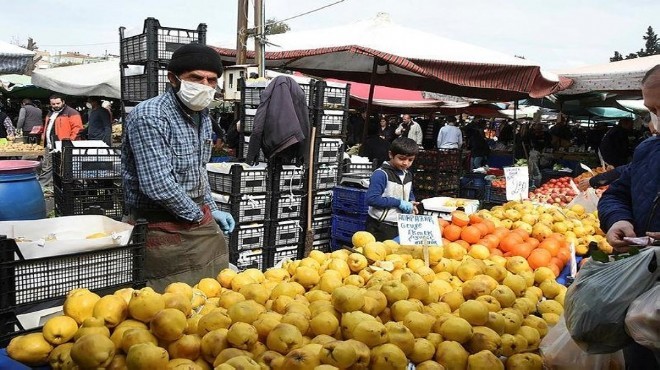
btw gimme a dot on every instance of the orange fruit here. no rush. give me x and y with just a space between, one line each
501 232
475 219
490 224
523 234
557 236
483 229
564 255
459 218
442 222
471 234
491 243
522 250
451 232
463 243
496 252
555 269
539 257
557 262
552 245
533 242
510 241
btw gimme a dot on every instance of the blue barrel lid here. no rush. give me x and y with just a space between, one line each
17 166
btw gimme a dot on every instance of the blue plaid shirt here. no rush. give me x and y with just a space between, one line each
164 156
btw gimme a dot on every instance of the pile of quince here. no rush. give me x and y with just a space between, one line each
539 220
326 311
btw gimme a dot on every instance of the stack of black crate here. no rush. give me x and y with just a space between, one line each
243 192
437 173
144 59
330 117
87 181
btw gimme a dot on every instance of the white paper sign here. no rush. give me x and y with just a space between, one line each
419 230
517 183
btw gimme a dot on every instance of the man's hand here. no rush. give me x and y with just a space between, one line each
654 234
584 185
225 220
405 206
617 232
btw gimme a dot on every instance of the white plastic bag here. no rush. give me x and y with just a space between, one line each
596 303
560 352
587 199
643 319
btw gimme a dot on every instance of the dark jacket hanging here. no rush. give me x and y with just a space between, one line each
281 123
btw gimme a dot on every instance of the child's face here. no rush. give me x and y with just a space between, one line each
401 162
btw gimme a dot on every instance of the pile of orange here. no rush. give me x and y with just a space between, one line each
552 252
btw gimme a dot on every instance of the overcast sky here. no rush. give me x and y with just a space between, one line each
556 34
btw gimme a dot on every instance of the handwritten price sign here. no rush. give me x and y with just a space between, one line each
517 183
419 230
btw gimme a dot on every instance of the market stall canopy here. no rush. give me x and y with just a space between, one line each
94 79
20 86
14 59
406 58
622 76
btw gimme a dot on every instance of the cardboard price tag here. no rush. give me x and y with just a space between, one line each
517 183
419 230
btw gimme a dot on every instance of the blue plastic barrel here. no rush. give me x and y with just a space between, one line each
21 197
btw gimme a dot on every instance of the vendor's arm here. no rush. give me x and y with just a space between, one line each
21 119
606 178
616 202
154 169
375 197
208 199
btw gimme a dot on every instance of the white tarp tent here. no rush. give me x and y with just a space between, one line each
624 75
94 79
14 59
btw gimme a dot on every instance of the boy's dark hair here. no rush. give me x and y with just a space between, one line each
404 146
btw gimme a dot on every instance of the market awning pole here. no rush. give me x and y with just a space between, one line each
515 125
241 32
372 83
259 37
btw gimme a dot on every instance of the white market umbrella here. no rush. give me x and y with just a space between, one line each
406 58
93 79
14 59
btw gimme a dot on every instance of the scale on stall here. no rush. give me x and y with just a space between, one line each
356 180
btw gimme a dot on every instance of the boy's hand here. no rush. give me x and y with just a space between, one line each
406 207
415 209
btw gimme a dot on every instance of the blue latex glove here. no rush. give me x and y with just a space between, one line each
225 220
405 206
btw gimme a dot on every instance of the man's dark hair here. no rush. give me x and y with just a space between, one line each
27 101
95 99
450 119
651 72
56 96
404 146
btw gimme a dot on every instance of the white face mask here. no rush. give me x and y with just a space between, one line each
195 96
655 123
88 105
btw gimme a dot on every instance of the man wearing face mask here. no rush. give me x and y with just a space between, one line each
165 150
62 123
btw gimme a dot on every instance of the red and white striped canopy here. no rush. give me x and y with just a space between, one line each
409 59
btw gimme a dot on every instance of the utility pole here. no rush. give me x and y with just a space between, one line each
241 32
259 47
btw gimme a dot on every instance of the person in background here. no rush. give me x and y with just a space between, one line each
355 128
385 130
375 147
560 133
29 116
477 144
390 190
62 123
505 135
108 106
166 147
7 130
450 136
615 146
631 205
410 129
99 123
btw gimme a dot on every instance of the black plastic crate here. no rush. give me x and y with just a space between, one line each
243 207
322 203
447 160
287 178
251 92
331 122
247 259
247 120
322 227
285 233
248 237
331 95
327 151
286 206
435 181
239 180
26 283
349 200
244 144
495 195
98 163
322 245
89 197
277 254
152 82
359 168
325 177
157 43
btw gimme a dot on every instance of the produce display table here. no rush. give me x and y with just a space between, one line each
9 364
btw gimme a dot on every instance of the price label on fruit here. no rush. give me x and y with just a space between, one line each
517 183
419 230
